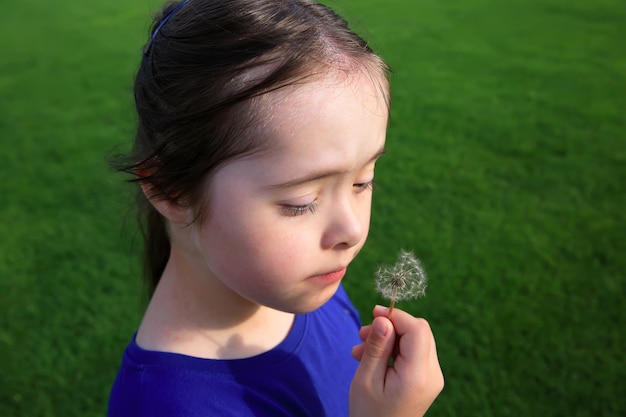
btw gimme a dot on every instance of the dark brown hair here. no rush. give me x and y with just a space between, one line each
198 93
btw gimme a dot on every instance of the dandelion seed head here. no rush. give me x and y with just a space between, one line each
404 280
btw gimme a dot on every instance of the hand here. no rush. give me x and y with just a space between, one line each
411 384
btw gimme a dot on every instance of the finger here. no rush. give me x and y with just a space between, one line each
380 311
364 332
416 343
357 351
417 364
403 322
376 352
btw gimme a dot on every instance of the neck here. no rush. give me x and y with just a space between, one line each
194 313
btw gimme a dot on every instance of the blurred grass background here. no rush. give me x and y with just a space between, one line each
505 173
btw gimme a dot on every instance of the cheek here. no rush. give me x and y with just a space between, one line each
279 247
365 211
368 215
255 243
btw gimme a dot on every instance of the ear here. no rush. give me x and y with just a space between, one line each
174 213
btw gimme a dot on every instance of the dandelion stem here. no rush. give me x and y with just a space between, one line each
393 301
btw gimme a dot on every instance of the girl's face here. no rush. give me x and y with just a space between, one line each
284 224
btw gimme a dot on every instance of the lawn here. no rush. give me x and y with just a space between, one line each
505 173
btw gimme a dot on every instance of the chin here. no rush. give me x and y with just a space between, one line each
309 304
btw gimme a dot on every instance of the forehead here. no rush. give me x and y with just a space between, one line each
320 91
335 122
324 108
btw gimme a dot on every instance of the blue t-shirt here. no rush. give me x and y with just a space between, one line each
308 374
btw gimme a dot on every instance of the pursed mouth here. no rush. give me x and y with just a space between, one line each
335 275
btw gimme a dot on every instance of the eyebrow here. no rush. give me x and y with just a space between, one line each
321 174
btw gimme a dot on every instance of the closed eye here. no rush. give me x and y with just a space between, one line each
362 186
292 211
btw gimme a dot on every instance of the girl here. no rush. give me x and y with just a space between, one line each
259 126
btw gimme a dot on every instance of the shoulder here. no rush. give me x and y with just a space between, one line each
170 389
151 383
276 384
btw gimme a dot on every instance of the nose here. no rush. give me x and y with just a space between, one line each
347 226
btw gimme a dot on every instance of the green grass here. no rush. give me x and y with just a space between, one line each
505 173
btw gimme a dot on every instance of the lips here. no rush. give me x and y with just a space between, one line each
330 277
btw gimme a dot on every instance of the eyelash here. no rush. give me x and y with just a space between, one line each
293 211
370 185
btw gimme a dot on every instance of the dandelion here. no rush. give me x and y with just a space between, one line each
404 280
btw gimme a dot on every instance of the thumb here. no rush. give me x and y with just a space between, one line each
378 348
